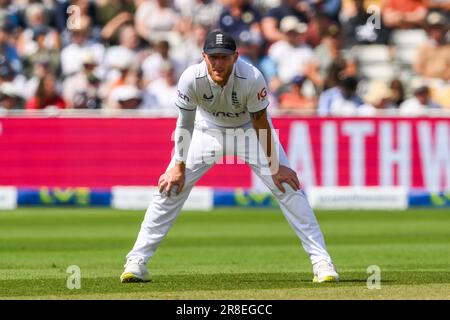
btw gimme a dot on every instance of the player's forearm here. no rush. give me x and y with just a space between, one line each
265 137
183 135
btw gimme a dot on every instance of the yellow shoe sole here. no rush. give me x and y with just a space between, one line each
326 279
129 277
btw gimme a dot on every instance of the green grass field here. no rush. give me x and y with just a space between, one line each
223 254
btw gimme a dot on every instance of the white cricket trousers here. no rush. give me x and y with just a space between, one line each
208 147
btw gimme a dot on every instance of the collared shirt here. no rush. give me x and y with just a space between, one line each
332 102
228 106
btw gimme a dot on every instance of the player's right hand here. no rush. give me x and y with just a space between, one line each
288 176
173 177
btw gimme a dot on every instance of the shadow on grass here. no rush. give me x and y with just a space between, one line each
204 282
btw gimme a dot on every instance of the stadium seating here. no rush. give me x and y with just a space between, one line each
405 43
374 62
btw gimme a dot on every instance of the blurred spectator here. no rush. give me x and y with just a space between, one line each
80 42
156 20
340 68
118 73
7 50
36 18
294 98
189 52
318 26
9 99
151 65
42 52
239 18
443 6
251 49
404 14
330 8
292 56
40 68
398 92
9 14
111 32
8 75
162 92
328 51
130 76
107 10
341 100
127 97
378 98
81 91
135 77
272 20
203 12
128 48
6 72
420 103
360 29
46 95
433 57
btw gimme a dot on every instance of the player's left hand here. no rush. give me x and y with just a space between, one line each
287 175
174 177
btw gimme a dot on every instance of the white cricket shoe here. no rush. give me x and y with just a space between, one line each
325 271
135 271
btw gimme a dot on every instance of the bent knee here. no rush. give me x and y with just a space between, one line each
289 192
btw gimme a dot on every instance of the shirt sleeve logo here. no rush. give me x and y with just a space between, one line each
262 94
183 96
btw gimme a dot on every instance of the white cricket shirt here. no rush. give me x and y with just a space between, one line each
228 106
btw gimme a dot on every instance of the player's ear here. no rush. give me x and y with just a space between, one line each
236 56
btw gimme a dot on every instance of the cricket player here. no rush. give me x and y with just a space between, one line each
222 104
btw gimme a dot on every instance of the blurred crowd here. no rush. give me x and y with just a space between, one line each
330 57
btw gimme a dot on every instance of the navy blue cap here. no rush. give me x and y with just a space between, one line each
40 31
218 41
298 79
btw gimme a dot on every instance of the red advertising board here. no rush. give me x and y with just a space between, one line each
103 152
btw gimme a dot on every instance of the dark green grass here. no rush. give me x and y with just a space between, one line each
223 254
